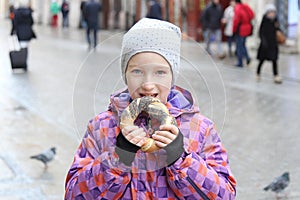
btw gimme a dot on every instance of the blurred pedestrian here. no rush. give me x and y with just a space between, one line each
154 9
117 10
82 22
11 16
190 161
242 28
91 15
211 19
65 8
228 21
268 48
54 9
22 24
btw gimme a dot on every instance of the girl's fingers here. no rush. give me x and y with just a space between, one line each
133 134
160 144
140 142
164 137
171 128
137 141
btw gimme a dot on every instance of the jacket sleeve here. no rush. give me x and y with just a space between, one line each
204 175
96 171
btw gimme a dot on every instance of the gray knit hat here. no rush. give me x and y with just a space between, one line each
270 7
152 35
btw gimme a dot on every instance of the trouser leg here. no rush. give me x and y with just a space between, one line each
88 36
229 42
275 69
95 37
218 36
239 50
259 67
207 40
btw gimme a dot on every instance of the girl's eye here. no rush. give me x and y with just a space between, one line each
161 72
136 71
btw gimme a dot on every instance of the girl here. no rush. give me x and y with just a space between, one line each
191 164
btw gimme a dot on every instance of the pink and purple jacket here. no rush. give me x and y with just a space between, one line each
202 172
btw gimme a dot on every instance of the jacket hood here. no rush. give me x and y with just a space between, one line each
179 101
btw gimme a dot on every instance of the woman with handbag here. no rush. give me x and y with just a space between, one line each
268 48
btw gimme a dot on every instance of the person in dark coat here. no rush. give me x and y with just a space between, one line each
22 25
154 9
117 10
65 8
91 15
268 48
11 17
211 22
82 22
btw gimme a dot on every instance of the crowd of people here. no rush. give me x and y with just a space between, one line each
237 19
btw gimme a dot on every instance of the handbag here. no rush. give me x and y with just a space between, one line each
280 37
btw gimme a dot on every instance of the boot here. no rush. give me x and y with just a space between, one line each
258 77
277 79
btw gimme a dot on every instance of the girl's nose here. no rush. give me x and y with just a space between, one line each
147 85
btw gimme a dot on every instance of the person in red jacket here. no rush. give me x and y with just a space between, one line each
242 28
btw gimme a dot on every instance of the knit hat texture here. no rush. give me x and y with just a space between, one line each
152 35
270 7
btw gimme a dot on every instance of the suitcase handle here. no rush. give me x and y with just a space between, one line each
15 43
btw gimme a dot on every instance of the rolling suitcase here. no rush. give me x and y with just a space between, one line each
18 56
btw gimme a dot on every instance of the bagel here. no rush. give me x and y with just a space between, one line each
149 113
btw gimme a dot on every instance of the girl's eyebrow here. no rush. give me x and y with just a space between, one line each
150 65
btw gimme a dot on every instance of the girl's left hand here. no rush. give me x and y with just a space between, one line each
165 135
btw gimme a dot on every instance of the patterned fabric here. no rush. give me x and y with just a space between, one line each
97 173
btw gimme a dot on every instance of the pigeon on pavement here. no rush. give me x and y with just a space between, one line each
279 183
45 156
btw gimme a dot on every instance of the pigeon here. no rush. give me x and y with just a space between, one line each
45 156
279 183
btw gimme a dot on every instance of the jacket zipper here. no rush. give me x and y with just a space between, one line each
202 194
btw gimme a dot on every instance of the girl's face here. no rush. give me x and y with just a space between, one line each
149 74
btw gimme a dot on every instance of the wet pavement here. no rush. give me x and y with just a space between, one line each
66 85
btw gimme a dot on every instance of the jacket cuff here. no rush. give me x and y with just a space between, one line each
174 149
125 149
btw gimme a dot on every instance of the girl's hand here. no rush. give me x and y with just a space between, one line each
165 135
134 134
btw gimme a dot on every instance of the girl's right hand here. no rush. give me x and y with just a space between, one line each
134 134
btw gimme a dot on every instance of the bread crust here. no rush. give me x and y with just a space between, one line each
155 109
